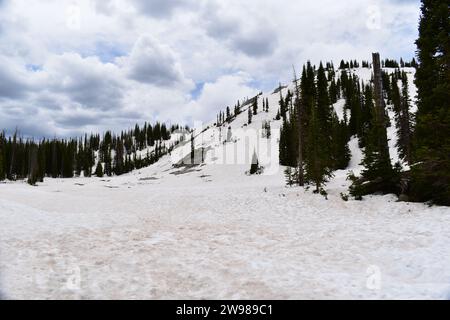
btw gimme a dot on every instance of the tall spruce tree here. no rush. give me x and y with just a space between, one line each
324 112
108 164
403 122
366 114
254 167
317 164
118 158
2 152
99 170
255 106
340 152
282 103
378 174
33 169
192 149
299 108
431 172
315 109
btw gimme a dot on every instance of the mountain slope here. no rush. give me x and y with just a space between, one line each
211 231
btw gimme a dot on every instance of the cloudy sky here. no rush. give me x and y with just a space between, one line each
74 66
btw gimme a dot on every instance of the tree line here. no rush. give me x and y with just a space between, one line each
109 154
386 63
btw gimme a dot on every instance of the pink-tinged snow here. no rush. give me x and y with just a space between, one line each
216 234
212 232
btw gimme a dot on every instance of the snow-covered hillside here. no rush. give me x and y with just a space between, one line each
212 231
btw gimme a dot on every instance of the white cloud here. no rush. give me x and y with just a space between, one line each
136 61
154 63
85 81
161 8
13 81
216 96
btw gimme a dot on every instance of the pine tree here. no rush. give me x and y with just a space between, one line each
157 131
317 159
254 168
192 149
403 122
255 106
366 115
150 138
340 151
118 158
324 111
99 170
228 114
54 159
395 94
41 162
378 174
284 149
293 129
13 167
33 170
290 179
333 91
88 158
250 115
67 161
353 101
301 123
2 152
108 165
282 104
79 158
431 173
278 116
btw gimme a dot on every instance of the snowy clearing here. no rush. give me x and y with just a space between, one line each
212 232
216 234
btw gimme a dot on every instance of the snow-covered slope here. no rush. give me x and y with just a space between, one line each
211 231
217 149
